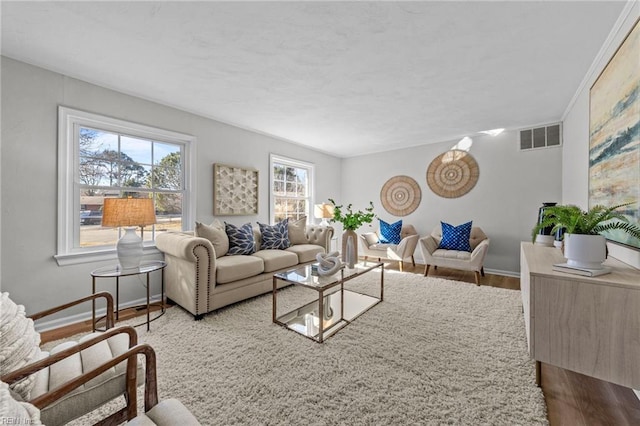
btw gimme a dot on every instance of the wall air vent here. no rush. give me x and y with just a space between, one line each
541 137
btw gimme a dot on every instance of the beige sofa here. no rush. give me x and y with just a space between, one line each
201 282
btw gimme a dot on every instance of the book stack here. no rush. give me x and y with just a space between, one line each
586 272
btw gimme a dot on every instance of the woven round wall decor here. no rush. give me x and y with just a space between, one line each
453 174
400 195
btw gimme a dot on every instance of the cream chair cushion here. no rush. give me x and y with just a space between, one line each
168 412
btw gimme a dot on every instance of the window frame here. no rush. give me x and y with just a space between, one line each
287 161
69 121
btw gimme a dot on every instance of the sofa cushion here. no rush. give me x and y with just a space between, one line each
216 234
297 231
240 239
274 236
306 252
233 268
390 232
276 259
455 237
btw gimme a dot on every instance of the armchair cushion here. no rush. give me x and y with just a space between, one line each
19 343
371 238
241 239
216 234
390 232
455 237
275 237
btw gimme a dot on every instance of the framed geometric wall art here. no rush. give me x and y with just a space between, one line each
614 135
235 191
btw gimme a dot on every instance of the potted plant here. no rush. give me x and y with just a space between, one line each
584 246
351 221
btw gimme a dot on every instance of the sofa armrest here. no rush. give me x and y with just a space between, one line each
182 245
191 270
319 235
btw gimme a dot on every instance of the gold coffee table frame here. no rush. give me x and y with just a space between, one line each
318 319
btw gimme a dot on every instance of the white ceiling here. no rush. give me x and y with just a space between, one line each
347 78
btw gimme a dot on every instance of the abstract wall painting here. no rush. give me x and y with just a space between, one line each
614 134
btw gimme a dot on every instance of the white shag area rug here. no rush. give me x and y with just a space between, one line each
434 352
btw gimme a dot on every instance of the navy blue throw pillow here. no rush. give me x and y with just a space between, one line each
390 232
240 238
275 237
456 237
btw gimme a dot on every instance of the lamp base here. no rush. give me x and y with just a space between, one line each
324 222
129 249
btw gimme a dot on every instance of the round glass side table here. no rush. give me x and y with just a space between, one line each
115 271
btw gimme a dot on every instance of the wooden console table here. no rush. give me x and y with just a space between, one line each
590 325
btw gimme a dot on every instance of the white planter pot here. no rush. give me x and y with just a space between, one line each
585 251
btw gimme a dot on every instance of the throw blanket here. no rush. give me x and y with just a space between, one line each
19 343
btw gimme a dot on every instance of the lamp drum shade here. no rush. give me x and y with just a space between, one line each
323 211
129 213
118 212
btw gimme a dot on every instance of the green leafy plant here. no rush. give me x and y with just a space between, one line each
351 220
596 220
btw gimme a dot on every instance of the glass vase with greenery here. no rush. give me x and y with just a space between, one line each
349 219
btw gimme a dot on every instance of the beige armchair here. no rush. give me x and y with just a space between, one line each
47 372
167 412
371 246
455 259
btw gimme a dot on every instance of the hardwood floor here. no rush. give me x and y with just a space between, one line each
572 399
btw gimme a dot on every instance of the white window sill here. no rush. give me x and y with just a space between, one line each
97 256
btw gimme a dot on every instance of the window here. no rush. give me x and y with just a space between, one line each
291 188
101 157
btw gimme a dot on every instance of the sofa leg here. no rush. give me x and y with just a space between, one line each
477 277
435 267
426 270
482 271
400 263
413 261
198 317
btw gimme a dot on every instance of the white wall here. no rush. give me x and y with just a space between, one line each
30 97
504 203
575 154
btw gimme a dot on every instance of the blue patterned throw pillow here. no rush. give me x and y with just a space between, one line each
275 237
240 238
456 237
390 232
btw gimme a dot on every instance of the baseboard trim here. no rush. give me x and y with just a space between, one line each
42 326
503 273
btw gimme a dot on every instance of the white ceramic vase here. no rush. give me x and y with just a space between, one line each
585 251
129 249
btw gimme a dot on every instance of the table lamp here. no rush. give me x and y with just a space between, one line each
324 211
129 213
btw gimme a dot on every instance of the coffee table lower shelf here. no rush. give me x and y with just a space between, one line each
340 308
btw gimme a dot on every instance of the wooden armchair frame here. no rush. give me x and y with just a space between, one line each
109 317
126 413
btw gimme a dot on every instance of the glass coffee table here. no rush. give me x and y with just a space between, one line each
335 306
